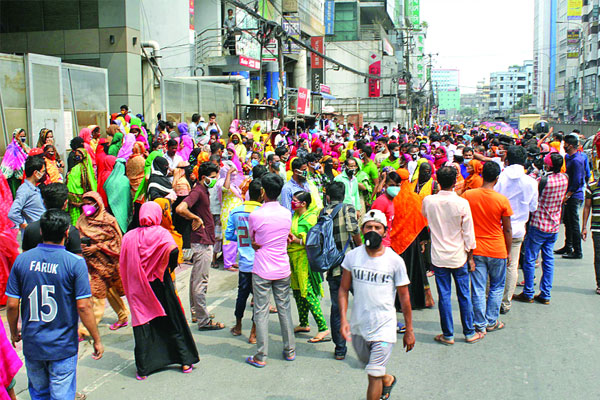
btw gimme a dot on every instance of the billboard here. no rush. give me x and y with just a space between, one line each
291 25
303 101
246 45
329 16
573 36
413 11
316 63
574 10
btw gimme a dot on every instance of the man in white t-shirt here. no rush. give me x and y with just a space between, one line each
376 273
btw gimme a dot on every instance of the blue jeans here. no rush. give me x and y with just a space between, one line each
244 290
50 380
443 281
535 241
485 315
335 318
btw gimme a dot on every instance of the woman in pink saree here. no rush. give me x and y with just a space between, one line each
161 333
9 247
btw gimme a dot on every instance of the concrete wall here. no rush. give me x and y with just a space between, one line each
587 129
168 22
346 84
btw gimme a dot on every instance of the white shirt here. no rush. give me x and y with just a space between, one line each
173 163
451 226
374 281
522 193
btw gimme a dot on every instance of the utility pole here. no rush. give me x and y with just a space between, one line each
408 81
280 86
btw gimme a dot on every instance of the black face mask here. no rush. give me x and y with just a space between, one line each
373 240
328 166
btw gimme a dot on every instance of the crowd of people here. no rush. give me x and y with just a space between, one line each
402 206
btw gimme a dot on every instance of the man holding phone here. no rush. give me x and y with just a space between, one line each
49 286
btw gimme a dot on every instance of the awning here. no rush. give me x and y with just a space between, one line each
326 96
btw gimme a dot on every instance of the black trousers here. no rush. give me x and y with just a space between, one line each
572 225
596 239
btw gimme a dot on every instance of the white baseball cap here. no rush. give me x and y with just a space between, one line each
374 215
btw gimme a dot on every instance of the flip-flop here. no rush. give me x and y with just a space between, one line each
441 339
475 338
118 325
140 378
496 327
302 329
234 333
387 390
291 357
188 370
212 326
258 364
324 339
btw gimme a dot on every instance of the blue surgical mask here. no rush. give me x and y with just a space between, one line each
396 154
393 191
466 161
254 163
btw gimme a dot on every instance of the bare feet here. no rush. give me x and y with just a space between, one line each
321 337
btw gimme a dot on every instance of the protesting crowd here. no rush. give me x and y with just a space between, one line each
375 212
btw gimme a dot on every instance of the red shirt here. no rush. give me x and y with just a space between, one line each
386 205
199 204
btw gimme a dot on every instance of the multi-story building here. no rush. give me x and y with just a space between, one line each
508 88
483 98
368 36
586 79
446 89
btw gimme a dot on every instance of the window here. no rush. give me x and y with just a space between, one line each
345 22
521 86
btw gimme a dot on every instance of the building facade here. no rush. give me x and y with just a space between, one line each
446 89
510 89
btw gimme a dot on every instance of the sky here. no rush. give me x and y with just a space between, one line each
478 36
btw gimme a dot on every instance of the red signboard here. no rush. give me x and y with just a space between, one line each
316 42
249 62
303 101
374 84
325 89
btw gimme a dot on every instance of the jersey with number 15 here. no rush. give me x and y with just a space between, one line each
49 280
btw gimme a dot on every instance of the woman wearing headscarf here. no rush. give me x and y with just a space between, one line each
101 246
95 130
86 135
46 137
127 149
80 180
441 158
9 247
238 146
105 168
306 284
159 184
474 180
230 196
161 333
53 163
117 140
134 169
425 184
408 237
233 157
13 162
186 144
118 194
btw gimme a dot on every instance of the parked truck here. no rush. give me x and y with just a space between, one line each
527 120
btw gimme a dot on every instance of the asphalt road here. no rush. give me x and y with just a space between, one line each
545 352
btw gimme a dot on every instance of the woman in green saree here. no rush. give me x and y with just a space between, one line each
306 284
80 179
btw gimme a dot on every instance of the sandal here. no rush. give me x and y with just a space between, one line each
255 363
598 291
441 339
252 340
319 340
232 269
289 357
118 325
187 370
235 332
475 338
302 329
496 327
387 390
210 316
212 326
140 378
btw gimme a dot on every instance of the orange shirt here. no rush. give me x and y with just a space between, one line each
488 207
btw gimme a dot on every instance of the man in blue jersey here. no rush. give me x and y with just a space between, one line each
237 229
52 288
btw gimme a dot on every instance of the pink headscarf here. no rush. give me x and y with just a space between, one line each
86 135
127 148
235 159
188 146
10 363
144 257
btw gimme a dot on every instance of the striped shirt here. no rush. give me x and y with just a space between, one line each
592 192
